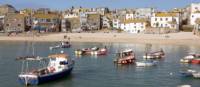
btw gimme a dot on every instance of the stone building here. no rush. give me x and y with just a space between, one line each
5 9
94 21
14 23
46 22
70 22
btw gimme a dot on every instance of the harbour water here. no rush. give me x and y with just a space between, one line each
100 71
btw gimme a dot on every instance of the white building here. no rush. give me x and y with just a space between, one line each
165 20
194 7
193 18
194 12
133 25
116 23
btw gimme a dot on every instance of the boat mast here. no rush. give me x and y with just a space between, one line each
33 50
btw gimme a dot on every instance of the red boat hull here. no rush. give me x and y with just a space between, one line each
195 61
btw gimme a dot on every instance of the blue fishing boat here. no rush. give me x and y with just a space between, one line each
187 73
59 66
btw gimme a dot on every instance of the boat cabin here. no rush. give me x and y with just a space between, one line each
125 53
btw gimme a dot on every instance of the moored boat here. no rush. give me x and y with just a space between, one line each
195 61
187 73
154 55
146 63
125 57
60 65
91 51
63 44
188 58
196 74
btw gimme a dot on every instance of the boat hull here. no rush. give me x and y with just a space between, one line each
195 61
144 64
45 78
186 74
65 46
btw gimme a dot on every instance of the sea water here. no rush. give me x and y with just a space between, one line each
100 71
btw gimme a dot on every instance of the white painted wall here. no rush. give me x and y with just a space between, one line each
133 27
163 21
193 18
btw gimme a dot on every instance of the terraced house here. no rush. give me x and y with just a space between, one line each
46 22
70 22
166 21
14 23
4 10
133 25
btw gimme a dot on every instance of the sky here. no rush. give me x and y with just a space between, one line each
63 4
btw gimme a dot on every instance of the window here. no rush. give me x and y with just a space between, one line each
19 25
48 20
166 19
161 25
155 19
165 25
7 24
142 27
173 26
160 19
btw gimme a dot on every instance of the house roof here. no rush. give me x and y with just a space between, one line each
134 21
18 16
46 16
93 16
165 14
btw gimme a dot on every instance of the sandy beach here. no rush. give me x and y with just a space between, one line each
185 38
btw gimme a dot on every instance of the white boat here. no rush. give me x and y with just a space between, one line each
187 59
146 63
91 51
196 74
154 55
62 44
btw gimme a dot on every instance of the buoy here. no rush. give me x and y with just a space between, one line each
171 73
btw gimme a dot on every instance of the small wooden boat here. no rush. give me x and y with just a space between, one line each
59 66
154 55
62 44
125 57
146 63
91 51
